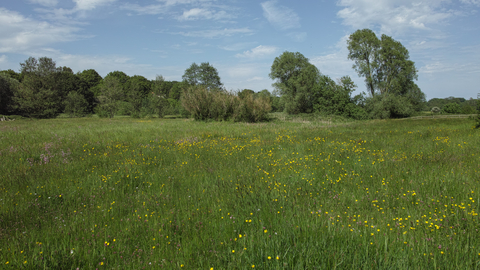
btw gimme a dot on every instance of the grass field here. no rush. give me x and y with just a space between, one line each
129 193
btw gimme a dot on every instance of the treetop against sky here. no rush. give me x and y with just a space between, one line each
242 38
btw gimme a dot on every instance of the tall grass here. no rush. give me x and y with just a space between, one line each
125 193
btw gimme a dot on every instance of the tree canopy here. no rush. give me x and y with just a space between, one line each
204 75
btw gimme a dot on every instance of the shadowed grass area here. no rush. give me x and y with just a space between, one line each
127 193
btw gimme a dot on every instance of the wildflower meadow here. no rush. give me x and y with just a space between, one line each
128 193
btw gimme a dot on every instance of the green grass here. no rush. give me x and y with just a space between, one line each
129 193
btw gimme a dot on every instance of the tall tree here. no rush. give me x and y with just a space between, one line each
383 62
363 46
111 93
296 80
204 75
8 85
395 72
42 89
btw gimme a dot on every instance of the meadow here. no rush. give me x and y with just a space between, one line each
128 193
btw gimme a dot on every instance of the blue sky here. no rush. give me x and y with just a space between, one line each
241 38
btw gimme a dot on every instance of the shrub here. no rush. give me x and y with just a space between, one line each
451 108
388 106
204 104
435 110
75 105
478 116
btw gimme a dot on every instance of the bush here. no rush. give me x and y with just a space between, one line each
388 106
75 105
204 104
451 108
478 116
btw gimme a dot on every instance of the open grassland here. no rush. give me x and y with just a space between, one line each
177 194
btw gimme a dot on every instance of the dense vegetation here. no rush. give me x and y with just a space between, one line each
42 90
453 105
127 193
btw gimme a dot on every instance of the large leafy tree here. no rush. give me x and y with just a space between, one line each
111 94
92 80
44 86
204 75
136 91
8 85
388 72
363 46
296 80
383 62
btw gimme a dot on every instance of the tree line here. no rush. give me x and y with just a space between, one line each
42 90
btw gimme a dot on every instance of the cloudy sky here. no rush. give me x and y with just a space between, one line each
241 38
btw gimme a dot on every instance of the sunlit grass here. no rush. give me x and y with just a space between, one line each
131 193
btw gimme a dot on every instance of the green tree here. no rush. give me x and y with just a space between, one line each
120 75
245 92
204 75
478 115
395 72
136 91
451 108
34 98
383 62
296 81
76 105
92 80
111 94
42 89
8 85
13 74
363 46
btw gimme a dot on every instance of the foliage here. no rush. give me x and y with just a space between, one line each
436 110
111 94
245 92
204 75
36 98
136 91
384 106
363 46
451 108
384 63
203 105
13 74
76 105
466 106
92 80
478 115
296 81
7 88
388 72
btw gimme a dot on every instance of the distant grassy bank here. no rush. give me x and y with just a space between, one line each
127 193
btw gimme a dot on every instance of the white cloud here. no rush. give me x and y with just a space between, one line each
258 52
3 59
246 76
203 13
19 33
150 9
280 16
217 32
90 4
237 46
394 16
336 63
297 36
47 3
471 2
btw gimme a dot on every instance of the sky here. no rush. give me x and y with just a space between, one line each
241 38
